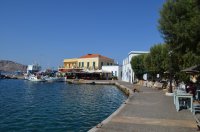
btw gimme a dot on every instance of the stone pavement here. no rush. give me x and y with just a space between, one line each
150 111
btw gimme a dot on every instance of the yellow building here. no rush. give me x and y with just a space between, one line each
89 62
70 63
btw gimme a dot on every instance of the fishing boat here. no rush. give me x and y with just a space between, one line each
54 79
36 78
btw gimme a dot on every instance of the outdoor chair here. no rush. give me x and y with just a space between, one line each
196 108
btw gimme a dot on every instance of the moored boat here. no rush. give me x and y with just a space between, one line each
54 79
35 78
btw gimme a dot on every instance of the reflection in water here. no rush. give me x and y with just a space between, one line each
36 106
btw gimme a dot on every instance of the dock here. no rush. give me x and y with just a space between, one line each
148 110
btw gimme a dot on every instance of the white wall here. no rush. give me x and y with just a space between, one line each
127 72
116 70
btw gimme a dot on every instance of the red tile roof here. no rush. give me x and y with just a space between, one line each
93 56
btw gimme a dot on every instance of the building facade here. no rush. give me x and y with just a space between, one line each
87 62
116 70
70 63
127 72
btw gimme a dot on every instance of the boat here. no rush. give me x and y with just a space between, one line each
31 69
36 78
54 79
33 73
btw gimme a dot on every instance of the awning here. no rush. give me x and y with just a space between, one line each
193 69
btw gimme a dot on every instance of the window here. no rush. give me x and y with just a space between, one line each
111 64
88 64
79 64
115 73
82 64
94 64
101 64
108 64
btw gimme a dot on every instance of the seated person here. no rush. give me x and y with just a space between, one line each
191 89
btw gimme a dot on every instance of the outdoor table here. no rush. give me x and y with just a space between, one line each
178 91
179 94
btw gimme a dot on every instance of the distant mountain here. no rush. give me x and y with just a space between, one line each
10 66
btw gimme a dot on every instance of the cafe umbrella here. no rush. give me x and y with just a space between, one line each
192 70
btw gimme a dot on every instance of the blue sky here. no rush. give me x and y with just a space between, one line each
47 31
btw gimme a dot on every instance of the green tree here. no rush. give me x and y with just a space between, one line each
189 59
156 62
157 58
179 24
137 64
148 64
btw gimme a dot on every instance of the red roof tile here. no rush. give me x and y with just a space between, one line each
93 56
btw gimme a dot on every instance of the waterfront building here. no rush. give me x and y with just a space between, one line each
70 63
127 72
115 70
87 62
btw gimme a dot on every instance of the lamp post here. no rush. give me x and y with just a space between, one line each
170 71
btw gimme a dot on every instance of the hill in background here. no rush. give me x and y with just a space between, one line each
10 66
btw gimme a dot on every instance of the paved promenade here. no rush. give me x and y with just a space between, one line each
150 111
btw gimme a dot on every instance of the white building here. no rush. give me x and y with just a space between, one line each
127 72
116 70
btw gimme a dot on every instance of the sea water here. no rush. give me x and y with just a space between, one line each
41 106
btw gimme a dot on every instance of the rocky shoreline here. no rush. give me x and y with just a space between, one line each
11 66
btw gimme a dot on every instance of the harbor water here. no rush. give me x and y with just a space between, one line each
40 106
